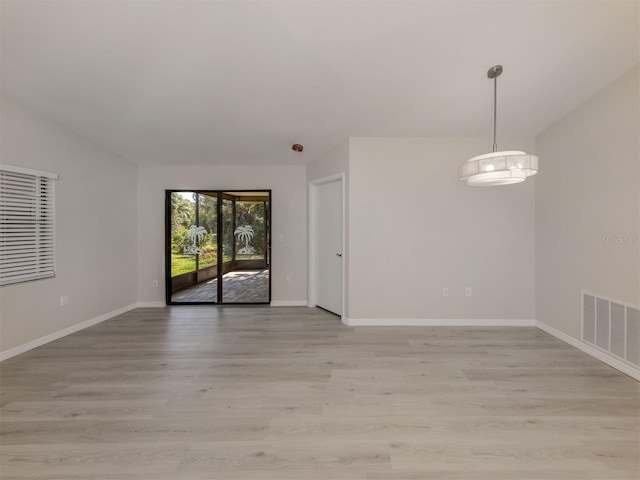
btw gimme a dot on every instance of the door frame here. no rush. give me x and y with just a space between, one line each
313 241
220 195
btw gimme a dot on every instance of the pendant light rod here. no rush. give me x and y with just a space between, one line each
494 72
495 113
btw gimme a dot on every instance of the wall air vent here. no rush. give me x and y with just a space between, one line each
612 327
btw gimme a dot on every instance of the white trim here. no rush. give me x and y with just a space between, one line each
313 249
28 171
329 179
589 350
288 303
12 352
581 318
437 322
151 305
311 245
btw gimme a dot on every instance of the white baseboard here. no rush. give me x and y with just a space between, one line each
589 350
436 322
151 305
12 352
288 303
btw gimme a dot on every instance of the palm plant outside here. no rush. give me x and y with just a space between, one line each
182 211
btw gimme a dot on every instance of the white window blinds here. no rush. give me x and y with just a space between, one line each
27 228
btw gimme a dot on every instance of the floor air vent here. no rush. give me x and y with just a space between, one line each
612 326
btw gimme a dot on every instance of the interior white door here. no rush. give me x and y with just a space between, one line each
329 246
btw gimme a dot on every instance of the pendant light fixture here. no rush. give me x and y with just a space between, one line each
498 168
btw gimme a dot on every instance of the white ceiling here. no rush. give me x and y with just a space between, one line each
217 82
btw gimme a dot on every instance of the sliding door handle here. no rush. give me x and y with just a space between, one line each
339 254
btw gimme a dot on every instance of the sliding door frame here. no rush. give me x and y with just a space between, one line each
220 195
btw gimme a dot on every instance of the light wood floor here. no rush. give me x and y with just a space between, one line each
290 393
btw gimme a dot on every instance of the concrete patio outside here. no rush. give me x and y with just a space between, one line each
239 286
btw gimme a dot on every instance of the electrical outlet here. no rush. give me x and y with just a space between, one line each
155 283
445 291
64 300
468 292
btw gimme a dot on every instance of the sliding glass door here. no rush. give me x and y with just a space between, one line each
218 247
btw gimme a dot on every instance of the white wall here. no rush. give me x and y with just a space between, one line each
289 224
96 236
414 229
588 205
332 163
